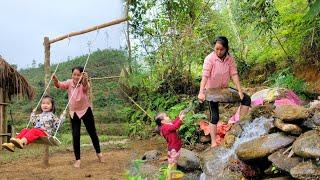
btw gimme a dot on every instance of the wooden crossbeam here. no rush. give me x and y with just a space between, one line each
93 28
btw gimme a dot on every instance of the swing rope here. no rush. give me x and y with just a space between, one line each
44 92
64 111
74 90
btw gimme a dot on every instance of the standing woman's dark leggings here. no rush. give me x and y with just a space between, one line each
88 121
214 108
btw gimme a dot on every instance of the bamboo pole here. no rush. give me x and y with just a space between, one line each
46 44
93 28
107 77
135 103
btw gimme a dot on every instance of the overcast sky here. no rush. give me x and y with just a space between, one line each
24 23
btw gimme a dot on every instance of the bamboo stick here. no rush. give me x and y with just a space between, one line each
93 28
136 103
107 77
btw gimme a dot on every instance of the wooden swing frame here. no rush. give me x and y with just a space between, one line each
47 43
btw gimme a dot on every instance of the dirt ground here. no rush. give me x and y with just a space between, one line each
118 161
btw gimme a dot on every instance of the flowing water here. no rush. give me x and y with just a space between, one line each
251 130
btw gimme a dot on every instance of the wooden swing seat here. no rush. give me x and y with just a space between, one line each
48 140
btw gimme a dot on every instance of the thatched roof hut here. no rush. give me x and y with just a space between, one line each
13 83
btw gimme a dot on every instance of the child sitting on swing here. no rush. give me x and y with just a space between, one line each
44 124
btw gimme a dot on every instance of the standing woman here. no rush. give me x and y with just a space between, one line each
80 108
218 68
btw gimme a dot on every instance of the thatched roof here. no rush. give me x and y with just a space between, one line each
13 83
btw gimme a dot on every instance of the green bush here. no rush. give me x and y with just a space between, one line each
286 79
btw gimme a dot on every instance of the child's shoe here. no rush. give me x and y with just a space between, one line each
17 142
8 146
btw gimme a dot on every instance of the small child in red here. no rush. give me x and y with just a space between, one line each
168 129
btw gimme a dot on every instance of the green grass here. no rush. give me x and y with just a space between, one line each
34 150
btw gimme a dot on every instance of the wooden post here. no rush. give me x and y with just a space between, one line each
3 123
47 77
2 120
128 37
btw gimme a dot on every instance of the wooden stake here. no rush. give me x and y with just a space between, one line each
94 28
47 77
2 130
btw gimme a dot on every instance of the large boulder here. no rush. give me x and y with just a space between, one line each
188 160
289 128
263 146
214 161
226 175
282 161
308 145
306 170
289 113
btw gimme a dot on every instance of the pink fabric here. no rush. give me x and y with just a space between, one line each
218 71
235 118
284 101
31 134
290 99
204 125
222 129
293 97
80 101
173 156
257 102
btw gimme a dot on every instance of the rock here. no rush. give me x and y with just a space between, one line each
316 118
308 145
214 161
205 139
226 175
289 113
313 122
289 128
236 129
228 140
236 165
188 160
264 110
192 175
200 147
282 161
151 155
263 146
149 170
222 95
280 178
306 170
